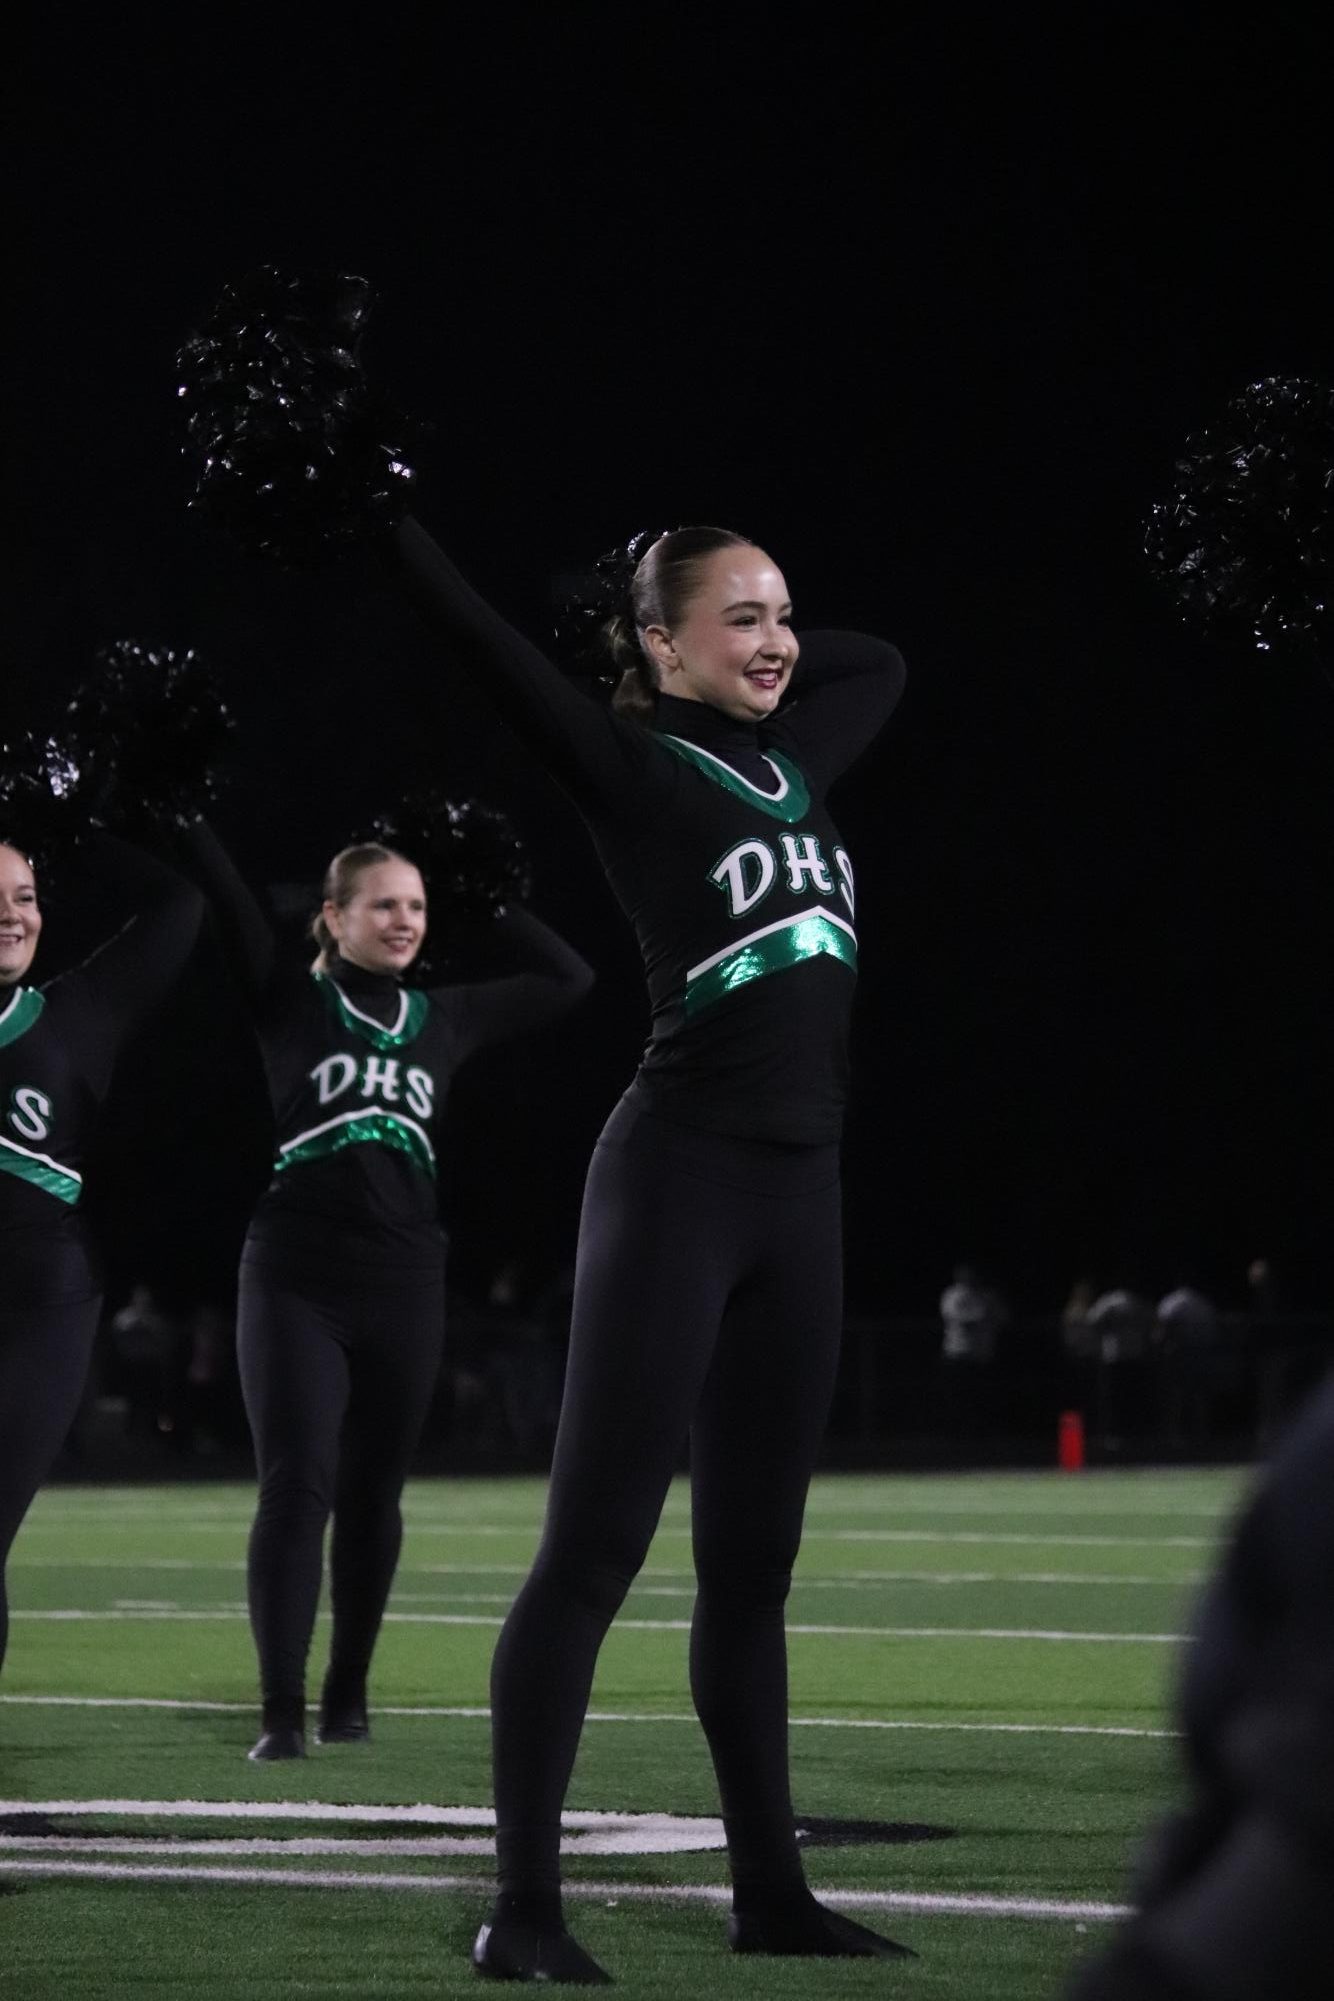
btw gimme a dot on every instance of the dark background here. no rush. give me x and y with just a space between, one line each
926 304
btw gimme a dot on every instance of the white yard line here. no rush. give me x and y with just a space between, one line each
1025 1540
482 1714
1064 1501
1094 1493
49 1563
853 1580
670 1532
126 1702
1055 1635
963 1905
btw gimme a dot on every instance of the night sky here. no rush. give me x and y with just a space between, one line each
925 303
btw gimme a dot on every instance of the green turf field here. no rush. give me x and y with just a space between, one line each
982 1660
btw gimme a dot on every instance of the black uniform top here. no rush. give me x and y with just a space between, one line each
718 844
58 1047
358 1067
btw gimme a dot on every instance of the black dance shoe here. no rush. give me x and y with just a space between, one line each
284 1742
807 1930
509 1949
343 1723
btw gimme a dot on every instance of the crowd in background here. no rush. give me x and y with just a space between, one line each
1174 1374
1178 1375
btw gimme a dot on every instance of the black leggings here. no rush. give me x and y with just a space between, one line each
336 1385
708 1303
44 1356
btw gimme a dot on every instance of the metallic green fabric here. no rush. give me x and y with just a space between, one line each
805 937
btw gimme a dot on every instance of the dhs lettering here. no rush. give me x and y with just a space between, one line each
379 1078
30 1112
749 871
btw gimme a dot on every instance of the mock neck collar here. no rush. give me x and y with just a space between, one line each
710 728
357 980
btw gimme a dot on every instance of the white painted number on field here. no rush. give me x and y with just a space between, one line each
582 1833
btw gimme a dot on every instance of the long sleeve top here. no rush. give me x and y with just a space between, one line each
358 1068
58 1048
718 844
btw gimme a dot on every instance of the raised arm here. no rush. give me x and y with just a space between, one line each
247 934
598 757
539 978
101 1003
845 689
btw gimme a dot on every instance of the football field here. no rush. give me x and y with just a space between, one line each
981 1668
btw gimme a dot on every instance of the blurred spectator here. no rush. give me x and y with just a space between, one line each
1077 1334
1187 1319
144 1339
972 1317
208 1401
1123 1326
1192 1365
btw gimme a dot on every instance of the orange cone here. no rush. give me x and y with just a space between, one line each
1070 1441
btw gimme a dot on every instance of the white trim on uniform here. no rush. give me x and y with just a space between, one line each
11 1004
698 750
363 1112
398 1026
30 1153
766 931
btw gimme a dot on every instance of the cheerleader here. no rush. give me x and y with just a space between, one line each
341 1303
708 1286
59 1044
708 1299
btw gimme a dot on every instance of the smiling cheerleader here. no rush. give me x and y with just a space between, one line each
341 1312
708 1286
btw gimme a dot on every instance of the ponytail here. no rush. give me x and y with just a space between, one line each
649 582
635 689
325 942
663 582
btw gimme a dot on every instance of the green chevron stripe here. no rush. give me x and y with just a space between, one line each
52 1179
370 1031
361 1129
794 804
20 1015
771 952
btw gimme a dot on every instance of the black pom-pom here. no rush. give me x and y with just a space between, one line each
471 859
598 597
146 730
41 786
287 446
1246 540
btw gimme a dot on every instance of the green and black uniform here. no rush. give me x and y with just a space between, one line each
58 1048
708 1283
341 1309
